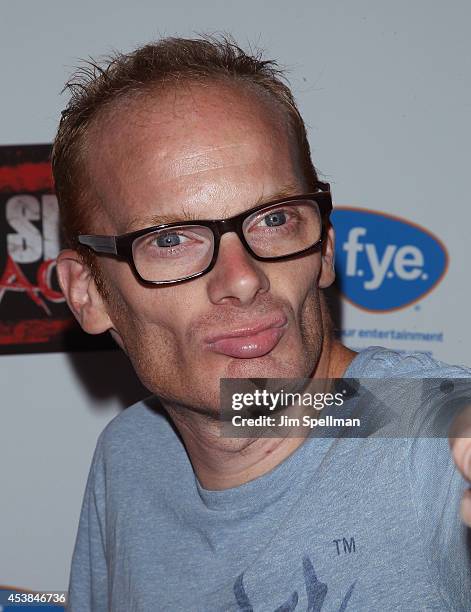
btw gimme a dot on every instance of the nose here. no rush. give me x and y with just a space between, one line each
236 278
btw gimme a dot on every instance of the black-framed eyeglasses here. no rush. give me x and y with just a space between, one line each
175 252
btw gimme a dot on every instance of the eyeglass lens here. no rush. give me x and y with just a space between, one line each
181 251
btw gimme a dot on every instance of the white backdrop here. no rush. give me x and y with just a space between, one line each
385 89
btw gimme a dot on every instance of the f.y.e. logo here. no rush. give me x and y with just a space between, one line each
384 262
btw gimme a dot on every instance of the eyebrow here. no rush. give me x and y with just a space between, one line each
141 222
135 223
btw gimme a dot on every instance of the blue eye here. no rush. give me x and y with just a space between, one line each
168 240
275 218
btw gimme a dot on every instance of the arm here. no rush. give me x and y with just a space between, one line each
436 491
460 443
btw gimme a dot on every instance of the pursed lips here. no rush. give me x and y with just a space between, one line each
250 341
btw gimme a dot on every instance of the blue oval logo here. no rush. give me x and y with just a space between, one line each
384 262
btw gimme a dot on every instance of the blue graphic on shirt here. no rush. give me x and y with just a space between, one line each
315 589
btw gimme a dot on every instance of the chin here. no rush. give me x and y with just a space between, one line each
267 366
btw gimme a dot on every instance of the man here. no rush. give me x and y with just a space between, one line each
195 155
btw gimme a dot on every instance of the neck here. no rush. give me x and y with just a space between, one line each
222 463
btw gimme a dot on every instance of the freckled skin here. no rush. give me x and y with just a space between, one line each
212 152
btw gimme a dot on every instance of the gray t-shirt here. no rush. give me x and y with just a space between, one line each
355 524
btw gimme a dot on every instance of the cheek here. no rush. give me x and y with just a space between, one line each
150 317
296 280
152 326
298 284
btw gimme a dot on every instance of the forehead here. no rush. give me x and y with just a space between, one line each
200 150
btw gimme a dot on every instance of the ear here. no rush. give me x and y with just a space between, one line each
327 273
81 293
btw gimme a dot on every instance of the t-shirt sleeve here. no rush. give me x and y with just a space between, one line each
88 586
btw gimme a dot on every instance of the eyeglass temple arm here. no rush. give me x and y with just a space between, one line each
100 244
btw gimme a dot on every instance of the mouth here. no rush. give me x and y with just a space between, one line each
251 341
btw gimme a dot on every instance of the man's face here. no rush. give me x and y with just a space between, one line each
208 151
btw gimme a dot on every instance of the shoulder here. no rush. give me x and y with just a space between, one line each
377 361
136 428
